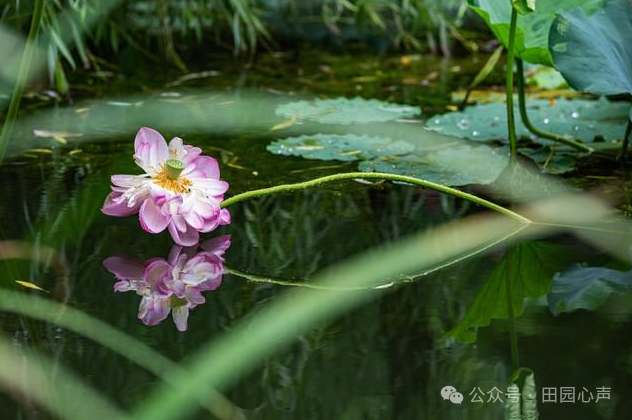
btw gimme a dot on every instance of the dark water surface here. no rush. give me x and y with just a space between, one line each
388 359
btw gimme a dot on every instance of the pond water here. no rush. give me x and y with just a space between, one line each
388 359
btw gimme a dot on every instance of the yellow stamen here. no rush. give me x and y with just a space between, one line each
179 185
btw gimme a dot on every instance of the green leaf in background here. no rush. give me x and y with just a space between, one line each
546 78
348 147
531 265
532 35
581 119
524 6
588 288
452 166
594 53
346 111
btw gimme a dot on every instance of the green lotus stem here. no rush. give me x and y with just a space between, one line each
374 175
522 105
20 83
509 89
626 139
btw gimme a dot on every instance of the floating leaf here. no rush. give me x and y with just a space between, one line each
532 34
594 53
346 111
584 287
453 166
346 147
584 120
30 285
531 266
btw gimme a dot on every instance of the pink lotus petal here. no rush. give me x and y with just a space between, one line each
150 150
207 166
151 218
115 205
189 237
180 317
153 309
216 246
155 273
125 267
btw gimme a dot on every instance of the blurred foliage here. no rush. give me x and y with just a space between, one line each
77 33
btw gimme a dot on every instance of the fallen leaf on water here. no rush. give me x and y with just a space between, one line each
30 285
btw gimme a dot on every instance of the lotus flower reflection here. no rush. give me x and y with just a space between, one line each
173 285
180 190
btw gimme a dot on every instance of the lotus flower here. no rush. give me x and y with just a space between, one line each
179 191
173 285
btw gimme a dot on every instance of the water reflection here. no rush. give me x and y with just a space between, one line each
173 285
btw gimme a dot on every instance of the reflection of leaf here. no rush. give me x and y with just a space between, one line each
550 161
531 266
583 287
346 111
582 119
454 166
532 34
594 53
347 147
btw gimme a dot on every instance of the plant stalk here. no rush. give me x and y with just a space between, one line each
522 105
20 83
374 175
509 89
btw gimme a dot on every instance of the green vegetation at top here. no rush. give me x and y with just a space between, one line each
532 36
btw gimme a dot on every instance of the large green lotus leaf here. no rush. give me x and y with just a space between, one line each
531 265
346 111
453 166
581 119
586 288
594 53
346 147
532 35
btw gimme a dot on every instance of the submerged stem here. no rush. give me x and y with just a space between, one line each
509 89
522 105
374 175
20 83
513 335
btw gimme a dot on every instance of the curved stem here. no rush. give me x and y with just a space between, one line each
509 88
373 175
522 105
20 83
